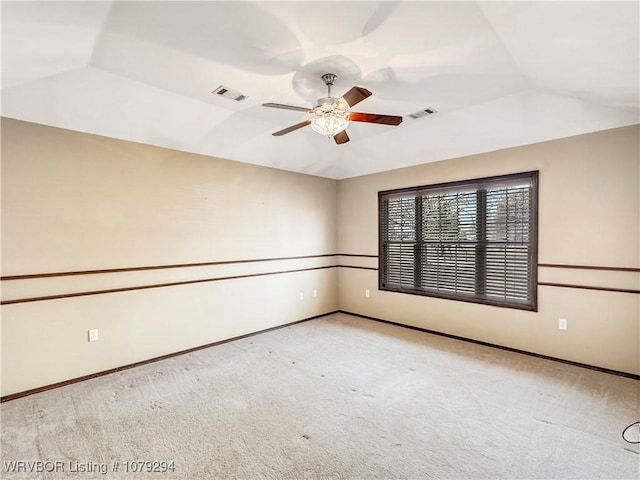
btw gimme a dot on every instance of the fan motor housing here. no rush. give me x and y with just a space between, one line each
326 101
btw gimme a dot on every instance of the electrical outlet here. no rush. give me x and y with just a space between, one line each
301 294
93 335
315 293
562 323
367 293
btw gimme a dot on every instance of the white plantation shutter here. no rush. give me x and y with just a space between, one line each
472 240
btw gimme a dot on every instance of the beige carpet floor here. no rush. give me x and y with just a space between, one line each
338 397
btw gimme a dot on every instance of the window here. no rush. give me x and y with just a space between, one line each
474 240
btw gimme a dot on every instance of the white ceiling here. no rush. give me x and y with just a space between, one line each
500 74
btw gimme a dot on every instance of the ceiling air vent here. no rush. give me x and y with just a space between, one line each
230 94
423 113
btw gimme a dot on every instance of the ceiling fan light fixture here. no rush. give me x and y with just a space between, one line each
331 116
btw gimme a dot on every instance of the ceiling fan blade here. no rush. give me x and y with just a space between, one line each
375 118
292 128
287 107
341 137
356 95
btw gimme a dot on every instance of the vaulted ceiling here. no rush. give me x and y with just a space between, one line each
499 74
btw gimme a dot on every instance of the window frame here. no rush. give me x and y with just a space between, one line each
460 185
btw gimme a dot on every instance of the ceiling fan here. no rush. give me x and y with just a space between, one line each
332 115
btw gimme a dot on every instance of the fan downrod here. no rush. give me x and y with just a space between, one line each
328 79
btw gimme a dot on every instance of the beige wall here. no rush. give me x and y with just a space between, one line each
589 215
72 201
